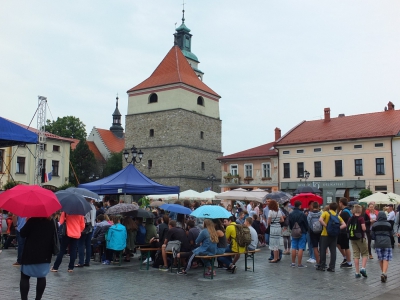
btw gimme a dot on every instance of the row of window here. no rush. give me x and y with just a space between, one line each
55 165
248 170
55 147
153 98
336 148
151 134
338 165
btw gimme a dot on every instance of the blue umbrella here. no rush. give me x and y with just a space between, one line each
73 203
179 209
84 192
211 212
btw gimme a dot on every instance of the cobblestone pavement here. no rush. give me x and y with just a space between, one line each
279 281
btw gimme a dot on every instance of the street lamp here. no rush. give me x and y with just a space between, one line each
212 178
135 155
306 176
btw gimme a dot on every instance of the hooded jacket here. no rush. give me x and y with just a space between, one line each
381 231
116 237
101 230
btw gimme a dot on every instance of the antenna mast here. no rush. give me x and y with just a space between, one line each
41 123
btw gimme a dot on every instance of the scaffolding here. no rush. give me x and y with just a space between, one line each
39 154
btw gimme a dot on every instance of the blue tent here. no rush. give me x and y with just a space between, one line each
129 181
12 134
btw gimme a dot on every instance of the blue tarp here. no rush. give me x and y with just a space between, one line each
12 134
129 181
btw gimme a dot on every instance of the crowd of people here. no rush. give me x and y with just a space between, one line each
323 229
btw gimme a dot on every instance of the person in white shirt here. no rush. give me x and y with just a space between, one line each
253 233
391 215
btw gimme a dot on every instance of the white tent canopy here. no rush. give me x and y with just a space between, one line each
185 195
241 194
208 195
380 198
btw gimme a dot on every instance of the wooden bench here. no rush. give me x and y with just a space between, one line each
147 250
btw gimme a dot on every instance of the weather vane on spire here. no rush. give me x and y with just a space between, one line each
183 12
117 99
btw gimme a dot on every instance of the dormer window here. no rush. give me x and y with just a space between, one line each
200 101
153 98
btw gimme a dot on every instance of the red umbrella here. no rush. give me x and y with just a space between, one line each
305 198
29 201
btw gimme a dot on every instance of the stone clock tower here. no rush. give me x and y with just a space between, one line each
173 116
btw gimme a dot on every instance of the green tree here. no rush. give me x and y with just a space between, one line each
365 193
10 184
69 127
84 166
113 164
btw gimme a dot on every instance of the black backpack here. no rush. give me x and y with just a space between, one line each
354 228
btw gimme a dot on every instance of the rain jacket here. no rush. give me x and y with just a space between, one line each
75 224
116 237
381 231
207 247
100 231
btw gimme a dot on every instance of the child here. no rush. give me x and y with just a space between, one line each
381 231
356 227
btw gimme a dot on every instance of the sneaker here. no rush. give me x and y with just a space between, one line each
301 266
106 262
346 265
174 252
293 265
383 277
145 261
311 261
363 272
330 270
163 268
319 268
358 275
182 272
234 268
174 267
343 262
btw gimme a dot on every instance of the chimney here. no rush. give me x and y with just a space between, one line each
277 133
341 115
327 114
390 105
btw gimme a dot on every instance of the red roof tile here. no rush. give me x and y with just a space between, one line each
113 143
378 124
96 152
260 151
174 68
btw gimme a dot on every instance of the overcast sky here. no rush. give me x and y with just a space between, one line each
275 63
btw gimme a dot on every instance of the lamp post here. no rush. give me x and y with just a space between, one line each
136 156
306 176
212 178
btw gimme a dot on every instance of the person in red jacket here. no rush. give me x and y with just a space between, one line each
75 225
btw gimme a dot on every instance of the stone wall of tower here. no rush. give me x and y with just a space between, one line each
177 148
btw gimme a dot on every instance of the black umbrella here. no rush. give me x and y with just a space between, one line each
307 189
122 208
73 203
85 193
140 213
280 197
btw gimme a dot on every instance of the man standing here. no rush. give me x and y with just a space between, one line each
254 236
343 243
329 241
298 244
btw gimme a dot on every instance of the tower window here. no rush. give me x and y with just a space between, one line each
200 101
202 134
153 98
203 166
149 164
151 132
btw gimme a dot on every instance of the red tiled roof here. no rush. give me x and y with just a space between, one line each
96 152
260 151
378 124
74 144
174 68
113 143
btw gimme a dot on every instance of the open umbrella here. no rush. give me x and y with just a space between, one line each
306 198
122 208
379 198
156 203
85 193
139 213
211 212
73 203
29 201
179 209
307 189
280 197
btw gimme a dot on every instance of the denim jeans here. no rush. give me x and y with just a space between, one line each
21 243
73 244
84 243
226 260
310 247
267 238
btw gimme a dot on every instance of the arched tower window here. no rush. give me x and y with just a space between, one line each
200 101
153 98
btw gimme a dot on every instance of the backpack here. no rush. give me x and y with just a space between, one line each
141 235
348 211
316 226
285 222
354 229
333 226
296 231
243 236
